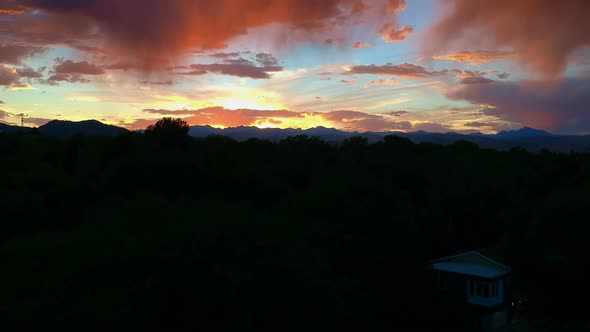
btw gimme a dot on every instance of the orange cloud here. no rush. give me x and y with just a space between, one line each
222 117
158 31
154 33
11 12
11 8
395 6
391 34
544 33
381 82
476 57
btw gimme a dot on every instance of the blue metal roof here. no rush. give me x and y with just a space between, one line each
470 269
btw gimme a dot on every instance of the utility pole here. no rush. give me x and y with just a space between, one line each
22 118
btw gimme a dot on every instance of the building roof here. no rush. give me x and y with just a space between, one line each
472 264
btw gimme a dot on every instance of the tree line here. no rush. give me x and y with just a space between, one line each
160 230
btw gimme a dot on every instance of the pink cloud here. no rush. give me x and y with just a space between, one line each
360 44
543 33
391 34
15 54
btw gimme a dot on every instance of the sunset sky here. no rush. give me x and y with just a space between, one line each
357 65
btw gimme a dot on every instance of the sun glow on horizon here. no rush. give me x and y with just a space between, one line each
305 121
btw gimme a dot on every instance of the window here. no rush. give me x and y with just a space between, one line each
483 288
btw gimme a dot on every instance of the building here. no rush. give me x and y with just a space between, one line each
477 286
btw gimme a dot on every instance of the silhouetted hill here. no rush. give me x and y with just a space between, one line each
4 128
526 138
522 132
58 128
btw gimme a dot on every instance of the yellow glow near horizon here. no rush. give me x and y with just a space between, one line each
84 98
249 103
306 121
237 97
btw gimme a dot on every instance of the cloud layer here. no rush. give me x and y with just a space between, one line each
156 32
239 67
544 33
561 109
405 70
343 119
475 57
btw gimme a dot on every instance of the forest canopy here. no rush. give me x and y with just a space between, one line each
151 233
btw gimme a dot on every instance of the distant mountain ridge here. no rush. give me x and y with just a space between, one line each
58 128
526 138
64 129
522 132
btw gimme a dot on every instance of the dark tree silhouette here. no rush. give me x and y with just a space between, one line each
169 130
167 232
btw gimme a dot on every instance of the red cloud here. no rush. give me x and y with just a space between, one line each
157 30
544 33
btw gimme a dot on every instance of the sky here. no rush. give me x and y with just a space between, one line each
357 65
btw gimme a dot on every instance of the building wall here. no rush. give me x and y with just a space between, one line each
490 301
451 286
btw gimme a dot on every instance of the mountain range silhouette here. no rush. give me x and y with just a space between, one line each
526 138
